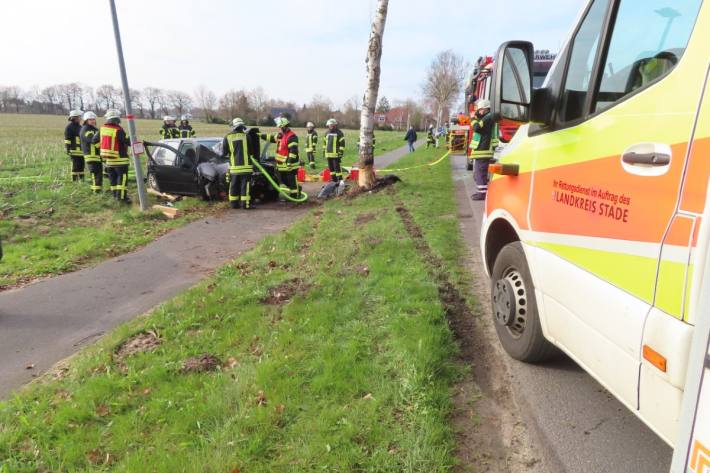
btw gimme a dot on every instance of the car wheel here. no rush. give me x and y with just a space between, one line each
514 307
153 182
469 164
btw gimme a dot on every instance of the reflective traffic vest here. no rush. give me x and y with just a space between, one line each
334 144
91 151
238 153
111 146
311 142
287 152
186 131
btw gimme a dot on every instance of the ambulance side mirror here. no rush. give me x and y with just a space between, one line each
512 81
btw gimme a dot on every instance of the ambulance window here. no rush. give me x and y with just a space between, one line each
648 40
581 62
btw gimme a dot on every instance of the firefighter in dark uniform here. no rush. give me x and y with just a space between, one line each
333 149
169 130
484 129
185 128
114 151
311 144
235 147
430 138
72 144
90 149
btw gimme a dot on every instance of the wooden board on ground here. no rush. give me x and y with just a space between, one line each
170 212
171 198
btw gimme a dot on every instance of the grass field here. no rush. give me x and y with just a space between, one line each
326 348
50 225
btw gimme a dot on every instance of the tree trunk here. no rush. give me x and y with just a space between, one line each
366 176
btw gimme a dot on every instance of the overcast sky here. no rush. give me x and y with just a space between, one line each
293 49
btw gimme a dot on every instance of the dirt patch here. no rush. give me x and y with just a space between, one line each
491 437
138 343
284 292
380 184
201 364
362 219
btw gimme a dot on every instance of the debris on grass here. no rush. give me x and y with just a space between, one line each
138 343
284 292
201 364
362 219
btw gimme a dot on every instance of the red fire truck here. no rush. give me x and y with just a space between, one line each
479 87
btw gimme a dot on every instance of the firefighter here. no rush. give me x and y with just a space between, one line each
274 138
185 128
72 144
90 150
311 144
235 147
114 151
169 130
333 149
430 138
287 160
483 144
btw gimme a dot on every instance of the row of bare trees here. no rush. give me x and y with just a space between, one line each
441 90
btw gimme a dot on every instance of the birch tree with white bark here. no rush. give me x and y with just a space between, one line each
366 176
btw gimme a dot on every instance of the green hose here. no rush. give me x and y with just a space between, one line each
302 198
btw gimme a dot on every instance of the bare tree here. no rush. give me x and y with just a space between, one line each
52 99
318 111
152 97
351 112
366 175
444 80
11 96
258 101
180 101
137 102
108 96
206 100
235 103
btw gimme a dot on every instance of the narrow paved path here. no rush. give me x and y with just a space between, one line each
580 427
44 322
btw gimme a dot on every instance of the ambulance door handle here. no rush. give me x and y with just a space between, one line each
646 159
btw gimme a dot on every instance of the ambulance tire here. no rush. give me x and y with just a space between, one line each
469 164
524 342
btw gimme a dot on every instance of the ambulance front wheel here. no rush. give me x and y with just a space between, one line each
515 309
469 164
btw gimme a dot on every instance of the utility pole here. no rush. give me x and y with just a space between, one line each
142 196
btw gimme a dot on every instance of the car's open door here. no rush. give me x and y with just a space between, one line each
164 169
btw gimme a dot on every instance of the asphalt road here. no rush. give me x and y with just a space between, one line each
44 322
577 425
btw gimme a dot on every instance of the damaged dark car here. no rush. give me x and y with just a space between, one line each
195 167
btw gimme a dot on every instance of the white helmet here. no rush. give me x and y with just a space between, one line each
75 113
310 125
331 121
112 113
168 118
237 122
89 116
483 103
186 117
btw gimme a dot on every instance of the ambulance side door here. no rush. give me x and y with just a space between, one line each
607 179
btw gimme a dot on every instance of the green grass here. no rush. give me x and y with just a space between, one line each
355 369
50 225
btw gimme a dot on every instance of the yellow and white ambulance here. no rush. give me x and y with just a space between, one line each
594 234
